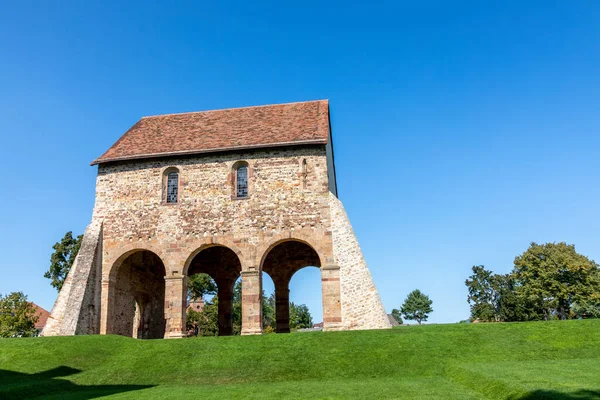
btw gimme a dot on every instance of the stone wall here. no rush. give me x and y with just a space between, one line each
361 305
77 308
289 199
282 196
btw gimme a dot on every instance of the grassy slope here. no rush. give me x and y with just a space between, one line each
495 361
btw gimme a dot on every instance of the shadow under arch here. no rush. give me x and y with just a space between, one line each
223 265
281 261
266 250
137 295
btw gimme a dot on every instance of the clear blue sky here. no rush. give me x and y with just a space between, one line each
463 130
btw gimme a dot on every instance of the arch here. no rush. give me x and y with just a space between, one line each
222 242
171 178
137 295
283 258
224 266
241 174
128 250
287 237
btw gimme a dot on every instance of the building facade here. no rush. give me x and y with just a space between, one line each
231 193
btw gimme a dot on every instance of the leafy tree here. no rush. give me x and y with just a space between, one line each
207 320
191 320
300 317
17 316
484 296
237 308
417 306
552 277
491 296
62 259
268 310
199 286
397 316
586 309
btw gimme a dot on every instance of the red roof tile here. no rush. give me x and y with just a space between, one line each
221 130
42 316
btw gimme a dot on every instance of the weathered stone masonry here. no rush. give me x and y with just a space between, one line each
289 220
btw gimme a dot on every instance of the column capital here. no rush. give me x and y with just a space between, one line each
330 267
250 273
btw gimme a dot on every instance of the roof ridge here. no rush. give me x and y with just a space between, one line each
234 108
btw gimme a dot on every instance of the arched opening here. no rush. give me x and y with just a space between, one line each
224 267
306 298
170 185
139 296
281 263
241 176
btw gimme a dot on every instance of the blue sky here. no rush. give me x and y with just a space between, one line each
463 130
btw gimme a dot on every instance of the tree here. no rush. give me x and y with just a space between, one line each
237 308
397 316
552 277
199 286
268 311
484 297
492 297
62 259
206 320
300 317
17 316
586 309
417 306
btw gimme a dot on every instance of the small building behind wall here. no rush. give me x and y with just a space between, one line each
229 193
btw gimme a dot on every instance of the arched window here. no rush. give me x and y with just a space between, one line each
241 181
171 186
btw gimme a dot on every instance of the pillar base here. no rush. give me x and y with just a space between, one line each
332 327
175 335
248 332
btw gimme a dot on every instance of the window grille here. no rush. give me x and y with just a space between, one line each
172 187
242 182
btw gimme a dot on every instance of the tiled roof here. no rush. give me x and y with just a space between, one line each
42 316
222 130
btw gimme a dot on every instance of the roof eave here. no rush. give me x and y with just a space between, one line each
206 151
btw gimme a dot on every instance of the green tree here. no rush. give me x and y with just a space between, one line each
199 286
552 277
300 317
17 316
397 316
268 311
417 306
491 296
237 308
207 320
586 309
484 296
62 259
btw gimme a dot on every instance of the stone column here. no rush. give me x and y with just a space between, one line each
332 308
282 307
175 302
251 303
106 308
225 294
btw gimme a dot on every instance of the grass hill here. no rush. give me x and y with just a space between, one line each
555 360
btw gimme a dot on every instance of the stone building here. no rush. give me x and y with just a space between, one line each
230 193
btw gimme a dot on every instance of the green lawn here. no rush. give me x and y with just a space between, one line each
556 360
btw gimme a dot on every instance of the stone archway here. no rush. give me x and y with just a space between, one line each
281 262
224 267
138 296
